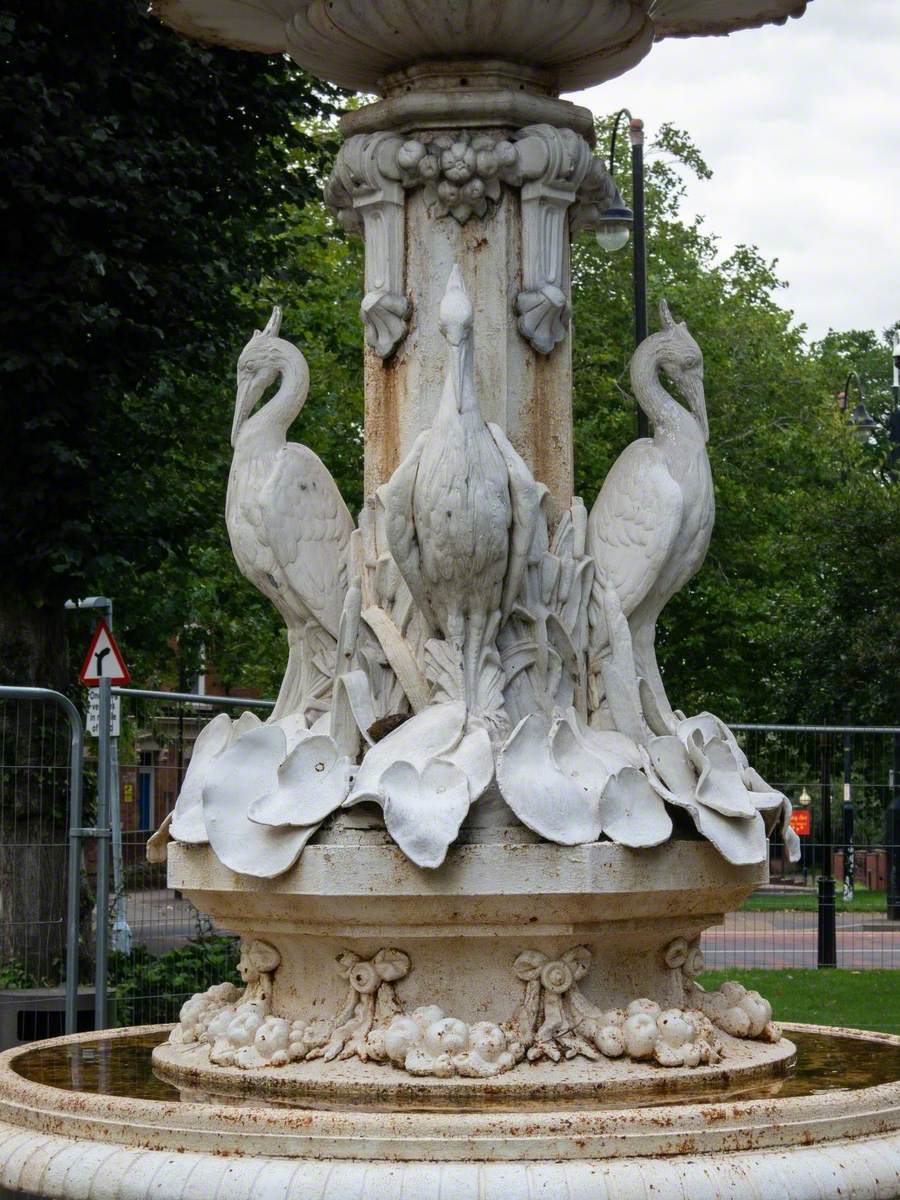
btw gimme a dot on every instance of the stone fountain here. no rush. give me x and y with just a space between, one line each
471 854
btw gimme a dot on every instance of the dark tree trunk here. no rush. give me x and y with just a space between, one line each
34 788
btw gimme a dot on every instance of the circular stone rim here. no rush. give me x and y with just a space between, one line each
573 1134
646 1085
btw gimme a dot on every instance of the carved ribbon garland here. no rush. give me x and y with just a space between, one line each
370 1000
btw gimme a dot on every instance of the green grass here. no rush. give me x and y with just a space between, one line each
861 999
863 902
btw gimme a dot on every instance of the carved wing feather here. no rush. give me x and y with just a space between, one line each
634 523
396 498
308 526
526 496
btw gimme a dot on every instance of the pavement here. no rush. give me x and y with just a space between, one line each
773 940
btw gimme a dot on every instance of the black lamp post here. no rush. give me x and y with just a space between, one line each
864 425
616 223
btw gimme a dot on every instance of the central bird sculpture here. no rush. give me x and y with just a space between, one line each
288 524
460 517
650 526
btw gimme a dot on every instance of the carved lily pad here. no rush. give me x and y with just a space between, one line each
424 810
739 839
245 773
187 824
632 813
560 805
312 782
571 785
425 774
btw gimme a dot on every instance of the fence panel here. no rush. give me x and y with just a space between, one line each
842 778
162 949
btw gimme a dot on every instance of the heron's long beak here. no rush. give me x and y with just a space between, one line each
243 406
697 400
457 368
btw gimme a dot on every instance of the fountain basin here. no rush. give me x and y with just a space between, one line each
831 1129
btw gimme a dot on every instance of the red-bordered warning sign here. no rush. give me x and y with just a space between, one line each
104 659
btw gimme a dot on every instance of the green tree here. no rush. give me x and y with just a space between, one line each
794 492
148 180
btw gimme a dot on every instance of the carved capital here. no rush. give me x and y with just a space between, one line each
366 194
554 163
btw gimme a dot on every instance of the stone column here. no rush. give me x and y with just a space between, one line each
481 165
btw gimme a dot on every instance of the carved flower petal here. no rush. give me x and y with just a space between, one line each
671 761
543 796
246 721
312 782
475 758
430 734
720 786
740 840
187 823
244 773
606 744
424 811
632 813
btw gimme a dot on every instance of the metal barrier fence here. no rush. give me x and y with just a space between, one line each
162 950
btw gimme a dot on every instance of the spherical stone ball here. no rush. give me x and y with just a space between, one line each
611 1041
506 153
640 1033
487 164
736 1022
474 189
399 1038
643 1005
674 1028
458 163
429 167
447 1036
427 1015
272 1037
448 191
487 1040
759 1010
410 155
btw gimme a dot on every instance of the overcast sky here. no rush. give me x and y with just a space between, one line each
801 126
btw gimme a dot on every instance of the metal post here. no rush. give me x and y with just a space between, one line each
636 133
104 771
827 948
892 837
848 819
73 891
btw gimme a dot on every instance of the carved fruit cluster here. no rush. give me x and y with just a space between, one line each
461 172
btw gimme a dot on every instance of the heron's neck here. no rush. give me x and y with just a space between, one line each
271 422
458 397
664 412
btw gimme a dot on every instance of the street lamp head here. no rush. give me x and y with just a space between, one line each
862 422
613 226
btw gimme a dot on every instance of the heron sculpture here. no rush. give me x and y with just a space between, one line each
288 524
461 511
650 526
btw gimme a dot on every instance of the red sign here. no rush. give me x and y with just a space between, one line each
801 822
104 660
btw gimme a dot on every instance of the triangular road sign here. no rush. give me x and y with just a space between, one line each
104 660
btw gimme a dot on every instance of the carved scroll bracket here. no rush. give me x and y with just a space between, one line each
554 163
366 194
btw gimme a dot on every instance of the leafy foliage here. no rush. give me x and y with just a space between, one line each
777 625
147 178
150 989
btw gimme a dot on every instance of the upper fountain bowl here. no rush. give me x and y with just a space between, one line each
356 43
